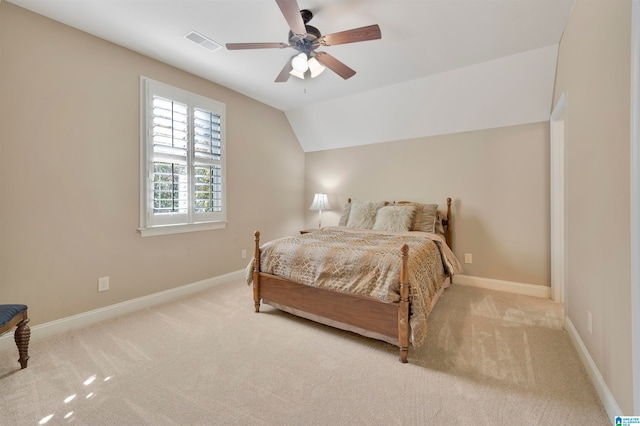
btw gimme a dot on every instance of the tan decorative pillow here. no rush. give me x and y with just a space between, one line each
363 214
425 220
344 218
426 216
394 218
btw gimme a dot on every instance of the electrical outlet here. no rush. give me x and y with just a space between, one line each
103 284
244 254
468 258
589 322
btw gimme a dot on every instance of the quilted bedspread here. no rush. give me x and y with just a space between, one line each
364 262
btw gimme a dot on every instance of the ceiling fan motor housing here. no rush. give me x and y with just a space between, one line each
310 42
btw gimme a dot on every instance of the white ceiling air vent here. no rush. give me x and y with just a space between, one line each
203 41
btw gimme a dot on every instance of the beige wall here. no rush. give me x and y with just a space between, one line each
594 72
498 179
69 173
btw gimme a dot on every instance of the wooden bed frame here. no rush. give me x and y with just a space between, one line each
390 320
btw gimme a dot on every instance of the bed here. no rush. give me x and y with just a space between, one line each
379 276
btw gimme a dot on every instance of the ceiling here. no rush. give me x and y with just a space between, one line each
420 39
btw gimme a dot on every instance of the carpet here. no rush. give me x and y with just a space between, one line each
490 358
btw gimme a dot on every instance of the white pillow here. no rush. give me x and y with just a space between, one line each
363 214
395 218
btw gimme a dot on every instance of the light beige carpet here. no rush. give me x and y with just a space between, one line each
490 358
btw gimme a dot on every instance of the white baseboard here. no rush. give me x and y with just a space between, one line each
609 402
501 285
85 319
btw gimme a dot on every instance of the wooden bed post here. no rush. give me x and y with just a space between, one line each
447 234
256 272
403 306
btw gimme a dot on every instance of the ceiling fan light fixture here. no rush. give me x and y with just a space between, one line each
315 67
294 72
299 62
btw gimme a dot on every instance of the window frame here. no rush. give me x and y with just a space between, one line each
192 221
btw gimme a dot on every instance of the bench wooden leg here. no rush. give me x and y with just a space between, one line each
22 336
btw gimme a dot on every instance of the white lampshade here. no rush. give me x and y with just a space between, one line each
297 73
299 63
315 67
320 202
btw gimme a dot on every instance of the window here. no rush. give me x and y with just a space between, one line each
182 161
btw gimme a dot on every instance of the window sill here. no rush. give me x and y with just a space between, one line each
180 229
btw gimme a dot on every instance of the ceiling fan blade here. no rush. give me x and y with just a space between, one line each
241 46
335 65
291 12
284 74
371 32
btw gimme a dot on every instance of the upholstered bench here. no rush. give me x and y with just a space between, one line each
16 315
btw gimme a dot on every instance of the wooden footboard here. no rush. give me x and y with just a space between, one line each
386 319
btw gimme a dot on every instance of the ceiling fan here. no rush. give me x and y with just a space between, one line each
306 39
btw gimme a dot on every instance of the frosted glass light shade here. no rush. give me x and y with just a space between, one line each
297 73
299 63
315 67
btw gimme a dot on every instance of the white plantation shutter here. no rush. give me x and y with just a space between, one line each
207 162
183 159
170 157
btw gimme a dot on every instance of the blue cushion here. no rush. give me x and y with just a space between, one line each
7 312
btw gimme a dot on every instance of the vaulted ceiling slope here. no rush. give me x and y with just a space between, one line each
441 66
